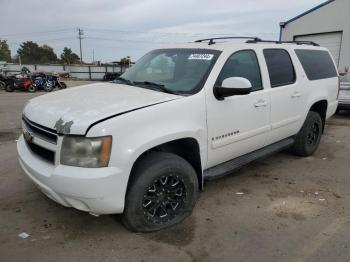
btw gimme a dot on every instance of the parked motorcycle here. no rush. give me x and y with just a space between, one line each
48 82
13 83
54 81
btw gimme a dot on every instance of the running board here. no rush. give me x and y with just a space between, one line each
237 163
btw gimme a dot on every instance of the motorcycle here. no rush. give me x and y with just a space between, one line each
54 81
13 83
48 82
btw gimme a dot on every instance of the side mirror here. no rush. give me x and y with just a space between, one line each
233 86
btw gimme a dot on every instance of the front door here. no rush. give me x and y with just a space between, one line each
238 124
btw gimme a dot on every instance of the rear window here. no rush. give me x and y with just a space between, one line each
317 64
280 66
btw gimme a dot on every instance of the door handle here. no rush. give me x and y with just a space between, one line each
296 95
260 103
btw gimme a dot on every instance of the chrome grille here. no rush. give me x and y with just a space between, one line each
42 132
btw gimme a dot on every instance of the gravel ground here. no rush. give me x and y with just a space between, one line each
287 209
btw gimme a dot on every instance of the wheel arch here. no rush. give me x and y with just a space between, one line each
320 107
187 148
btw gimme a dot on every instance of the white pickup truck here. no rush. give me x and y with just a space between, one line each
144 144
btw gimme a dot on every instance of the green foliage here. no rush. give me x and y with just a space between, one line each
68 57
5 53
125 61
31 52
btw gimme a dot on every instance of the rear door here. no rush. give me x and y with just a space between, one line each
287 94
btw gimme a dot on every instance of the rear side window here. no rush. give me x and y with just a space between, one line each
280 66
317 64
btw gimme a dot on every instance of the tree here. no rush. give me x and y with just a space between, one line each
5 53
31 52
125 61
47 54
68 57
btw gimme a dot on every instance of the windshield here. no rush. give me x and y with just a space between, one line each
177 71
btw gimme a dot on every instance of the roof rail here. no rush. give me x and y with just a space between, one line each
283 42
211 40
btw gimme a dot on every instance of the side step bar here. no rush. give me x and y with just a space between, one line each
237 163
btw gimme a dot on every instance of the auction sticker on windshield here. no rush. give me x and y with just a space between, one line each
201 56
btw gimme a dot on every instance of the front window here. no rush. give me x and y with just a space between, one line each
177 71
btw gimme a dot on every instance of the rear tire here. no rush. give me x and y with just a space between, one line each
48 87
162 192
2 85
309 137
32 89
9 88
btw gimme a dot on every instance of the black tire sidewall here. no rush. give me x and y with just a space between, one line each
301 147
9 88
149 169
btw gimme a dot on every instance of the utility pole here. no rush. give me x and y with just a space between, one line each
80 36
93 55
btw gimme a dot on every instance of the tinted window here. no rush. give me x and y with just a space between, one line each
242 64
280 66
317 64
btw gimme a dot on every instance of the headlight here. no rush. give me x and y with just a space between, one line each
85 151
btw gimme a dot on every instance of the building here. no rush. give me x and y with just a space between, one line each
327 24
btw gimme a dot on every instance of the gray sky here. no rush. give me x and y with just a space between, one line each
115 28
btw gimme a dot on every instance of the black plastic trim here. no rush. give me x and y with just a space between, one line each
237 163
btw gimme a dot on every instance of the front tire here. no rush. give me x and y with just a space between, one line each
309 137
163 191
62 85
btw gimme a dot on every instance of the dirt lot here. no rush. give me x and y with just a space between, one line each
288 209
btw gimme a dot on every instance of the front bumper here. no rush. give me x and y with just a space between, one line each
94 190
344 104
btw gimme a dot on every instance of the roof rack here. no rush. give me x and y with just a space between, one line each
252 40
283 42
211 40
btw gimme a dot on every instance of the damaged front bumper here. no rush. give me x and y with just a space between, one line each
94 190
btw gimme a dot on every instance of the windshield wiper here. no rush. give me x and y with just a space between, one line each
157 86
126 81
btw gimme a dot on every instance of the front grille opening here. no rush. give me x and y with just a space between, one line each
50 137
43 153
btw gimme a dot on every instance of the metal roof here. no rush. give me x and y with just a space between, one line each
307 12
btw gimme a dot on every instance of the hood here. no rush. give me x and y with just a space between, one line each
73 110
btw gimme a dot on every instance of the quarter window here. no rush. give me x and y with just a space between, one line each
280 66
242 64
317 64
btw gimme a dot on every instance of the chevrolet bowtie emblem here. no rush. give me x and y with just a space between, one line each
28 136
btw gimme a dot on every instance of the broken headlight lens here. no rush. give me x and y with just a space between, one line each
85 151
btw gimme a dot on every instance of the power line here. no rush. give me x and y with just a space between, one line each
37 32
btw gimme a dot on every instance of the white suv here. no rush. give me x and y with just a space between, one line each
144 144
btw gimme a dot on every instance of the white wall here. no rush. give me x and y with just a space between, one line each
80 72
332 17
